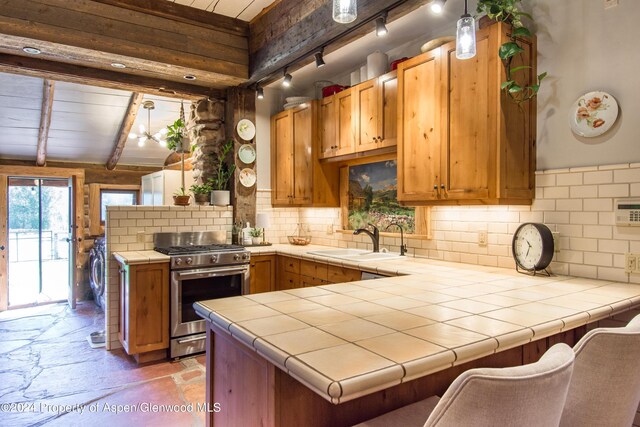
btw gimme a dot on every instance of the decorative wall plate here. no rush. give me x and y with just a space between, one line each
247 154
593 114
248 177
246 129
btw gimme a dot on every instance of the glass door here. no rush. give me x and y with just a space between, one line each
39 224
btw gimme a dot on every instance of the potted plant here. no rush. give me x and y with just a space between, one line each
201 193
181 197
177 139
220 196
255 234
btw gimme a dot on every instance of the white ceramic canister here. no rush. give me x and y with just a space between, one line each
377 64
355 77
363 74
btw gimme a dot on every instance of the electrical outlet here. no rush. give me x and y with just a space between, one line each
631 263
483 237
610 3
556 241
140 236
330 229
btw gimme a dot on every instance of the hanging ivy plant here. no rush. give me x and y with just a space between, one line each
507 11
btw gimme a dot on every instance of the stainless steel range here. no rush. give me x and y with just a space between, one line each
202 267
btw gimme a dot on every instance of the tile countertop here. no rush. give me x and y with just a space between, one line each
347 340
140 257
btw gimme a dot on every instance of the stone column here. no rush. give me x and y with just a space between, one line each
207 134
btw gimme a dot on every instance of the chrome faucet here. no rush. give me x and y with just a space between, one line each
375 236
403 247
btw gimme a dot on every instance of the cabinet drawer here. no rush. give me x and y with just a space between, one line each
291 265
288 281
313 269
306 281
342 274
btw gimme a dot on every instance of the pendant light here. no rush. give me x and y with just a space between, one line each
466 36
344 11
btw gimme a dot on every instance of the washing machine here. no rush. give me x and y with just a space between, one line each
97 274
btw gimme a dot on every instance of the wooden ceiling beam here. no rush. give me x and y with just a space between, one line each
291 31
125 128
48 88
149 42
58 71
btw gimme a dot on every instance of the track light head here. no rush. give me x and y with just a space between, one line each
319 59
259 92
381 28
287 79
437 6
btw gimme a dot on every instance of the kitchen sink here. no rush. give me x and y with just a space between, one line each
355 254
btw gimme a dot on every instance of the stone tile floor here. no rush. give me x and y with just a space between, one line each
49 375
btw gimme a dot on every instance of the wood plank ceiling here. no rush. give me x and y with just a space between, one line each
158 41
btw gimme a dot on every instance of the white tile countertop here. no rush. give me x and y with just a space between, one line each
140 257
347 340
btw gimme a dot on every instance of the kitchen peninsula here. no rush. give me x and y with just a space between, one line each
343 353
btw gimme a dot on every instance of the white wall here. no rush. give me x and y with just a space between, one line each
584 47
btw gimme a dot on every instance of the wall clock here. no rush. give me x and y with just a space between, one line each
532 247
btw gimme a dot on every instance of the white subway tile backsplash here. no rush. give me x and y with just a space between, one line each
627 175
584 191
569 179
613 190
556 192
600 177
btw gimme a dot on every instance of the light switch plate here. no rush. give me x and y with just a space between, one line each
483 237
140 236
556 241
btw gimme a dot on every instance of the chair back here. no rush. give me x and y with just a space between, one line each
525 396
605 388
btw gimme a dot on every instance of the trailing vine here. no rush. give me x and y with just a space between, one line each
507 11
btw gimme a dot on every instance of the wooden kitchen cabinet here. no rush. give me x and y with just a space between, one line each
460 139
327 146
296 273
337 274
262 274
297 178
345 123
144 308
376 112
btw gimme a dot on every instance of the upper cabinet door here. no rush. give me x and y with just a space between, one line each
328 140
345 126
388 110
302 118
470 136
419 128
367 124
281 159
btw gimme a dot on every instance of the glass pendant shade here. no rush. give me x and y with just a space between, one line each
344 11
466 38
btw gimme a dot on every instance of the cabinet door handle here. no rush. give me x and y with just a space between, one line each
442 186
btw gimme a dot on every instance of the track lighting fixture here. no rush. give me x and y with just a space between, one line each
319 59
259 92
437 6
381 28
287 79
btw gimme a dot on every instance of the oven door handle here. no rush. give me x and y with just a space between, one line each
193 339
218 272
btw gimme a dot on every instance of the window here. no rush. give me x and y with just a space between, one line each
116 198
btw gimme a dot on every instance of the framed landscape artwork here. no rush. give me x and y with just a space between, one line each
373 198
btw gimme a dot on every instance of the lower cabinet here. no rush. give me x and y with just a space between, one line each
295 273
144 307
262 276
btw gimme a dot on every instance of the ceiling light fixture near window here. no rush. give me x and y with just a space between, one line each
437 6
466 36
31 50
189 77
381 28
118 65
319 59
287 79
345 11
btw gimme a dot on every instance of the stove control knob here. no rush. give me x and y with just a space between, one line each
236 257
189 261
214 259
178 261
245 256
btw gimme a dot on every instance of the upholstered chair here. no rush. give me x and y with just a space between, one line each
605 388
524 396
